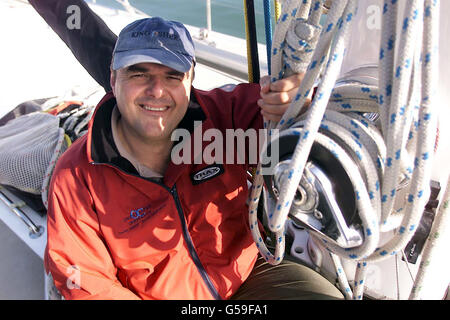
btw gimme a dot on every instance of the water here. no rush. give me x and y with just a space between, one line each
227 16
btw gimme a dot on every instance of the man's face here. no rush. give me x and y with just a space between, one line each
152 100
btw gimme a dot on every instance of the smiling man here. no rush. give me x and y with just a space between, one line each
135 225
152 73
152 99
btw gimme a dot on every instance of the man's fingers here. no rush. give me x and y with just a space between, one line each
274 97
264 82
270 116
288 83
277 109
275 112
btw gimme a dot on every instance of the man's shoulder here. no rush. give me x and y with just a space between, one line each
233 107
228 97
75 155
230 91
70 167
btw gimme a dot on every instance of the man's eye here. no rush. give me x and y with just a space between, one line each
174 78
137 75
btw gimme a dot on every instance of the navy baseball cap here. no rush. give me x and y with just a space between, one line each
154 40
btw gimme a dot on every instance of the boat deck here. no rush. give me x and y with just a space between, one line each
21 269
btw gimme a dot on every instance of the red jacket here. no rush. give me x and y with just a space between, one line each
115 235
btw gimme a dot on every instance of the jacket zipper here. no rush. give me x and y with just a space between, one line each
186 235
191 247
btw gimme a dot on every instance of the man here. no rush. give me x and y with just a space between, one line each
126 222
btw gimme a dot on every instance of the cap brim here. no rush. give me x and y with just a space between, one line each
176 61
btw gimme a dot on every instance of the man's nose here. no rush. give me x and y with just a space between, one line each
155 87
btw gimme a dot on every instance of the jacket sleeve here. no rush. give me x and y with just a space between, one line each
246 112
92 43
246 115
76 255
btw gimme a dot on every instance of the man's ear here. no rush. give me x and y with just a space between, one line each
112 79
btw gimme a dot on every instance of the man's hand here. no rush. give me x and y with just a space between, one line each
276 97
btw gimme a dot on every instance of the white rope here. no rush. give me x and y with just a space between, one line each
426 137
341 276
313 119
318 60
396 109
378 163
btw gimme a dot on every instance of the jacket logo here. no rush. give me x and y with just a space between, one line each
207 173
139 216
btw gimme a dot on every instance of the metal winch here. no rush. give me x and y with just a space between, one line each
325 201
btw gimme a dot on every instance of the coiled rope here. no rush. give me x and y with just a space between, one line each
382 161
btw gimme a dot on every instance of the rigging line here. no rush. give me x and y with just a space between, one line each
268 31
252 42
407 265
397 277
277 10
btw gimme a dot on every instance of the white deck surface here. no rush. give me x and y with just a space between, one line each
21 270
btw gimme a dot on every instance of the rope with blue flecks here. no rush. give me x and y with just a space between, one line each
399 105
334 25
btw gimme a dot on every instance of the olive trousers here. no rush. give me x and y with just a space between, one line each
287 281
